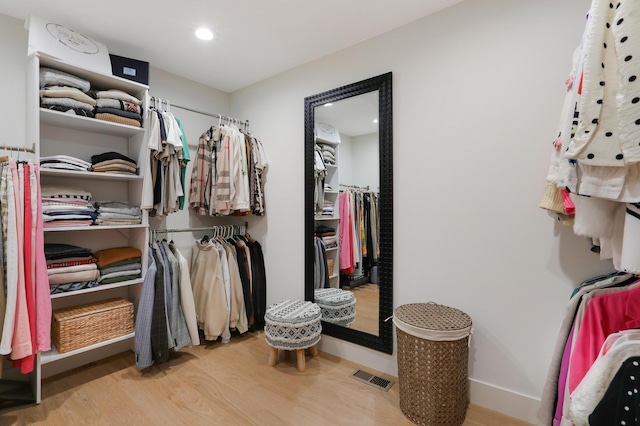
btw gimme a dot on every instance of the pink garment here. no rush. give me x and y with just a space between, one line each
42 295
567 202
21 343
346 257
605 314
26 364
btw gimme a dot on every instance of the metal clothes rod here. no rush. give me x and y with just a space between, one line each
6 147
364 188
219 116
208 228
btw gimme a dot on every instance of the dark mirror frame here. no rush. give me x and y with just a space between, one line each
384 340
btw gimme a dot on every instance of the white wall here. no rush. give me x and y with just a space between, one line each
477 91
13 85
365 161
345 160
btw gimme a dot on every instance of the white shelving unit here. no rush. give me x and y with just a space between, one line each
52 133
332 179
103 287
88 175
53 355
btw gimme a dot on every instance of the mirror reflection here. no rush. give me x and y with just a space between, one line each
346 212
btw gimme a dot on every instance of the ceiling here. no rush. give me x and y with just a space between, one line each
353 116
254 39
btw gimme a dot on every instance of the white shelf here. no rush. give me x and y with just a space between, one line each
92 228
98 80
54 355
331 192
331 249
317 219
87 124
333 276
76 174
98 288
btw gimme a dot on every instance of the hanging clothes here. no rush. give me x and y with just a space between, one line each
26 305
164 178
319 174
359 249
320 264
144 317
166 319
593 185
186 296
346 235
208 290
597 309
259 286
228 175
229 286
594 176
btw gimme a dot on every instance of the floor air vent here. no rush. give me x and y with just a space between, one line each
373 380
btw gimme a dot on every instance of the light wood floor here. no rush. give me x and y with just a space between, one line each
367 308
219 384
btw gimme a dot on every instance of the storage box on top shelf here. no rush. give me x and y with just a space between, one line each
131 69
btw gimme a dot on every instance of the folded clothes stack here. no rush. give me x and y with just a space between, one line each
327 208
328 153
64 92
70 268
64 162
118 107
60 91
117 213
66 206
113 162
328 236
119 264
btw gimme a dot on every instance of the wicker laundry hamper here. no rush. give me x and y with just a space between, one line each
433 363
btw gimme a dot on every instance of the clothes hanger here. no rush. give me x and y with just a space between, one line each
5 158
221 234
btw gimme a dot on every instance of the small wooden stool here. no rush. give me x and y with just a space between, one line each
293 325
336 305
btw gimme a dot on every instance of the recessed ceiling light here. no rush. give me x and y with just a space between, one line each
375 120
204 34
328 104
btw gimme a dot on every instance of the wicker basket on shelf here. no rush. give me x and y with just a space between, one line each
79 326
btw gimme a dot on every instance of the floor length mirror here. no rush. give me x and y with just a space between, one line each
349 210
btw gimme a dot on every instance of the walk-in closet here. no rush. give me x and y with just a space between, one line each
159 194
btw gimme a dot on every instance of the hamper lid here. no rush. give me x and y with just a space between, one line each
432 321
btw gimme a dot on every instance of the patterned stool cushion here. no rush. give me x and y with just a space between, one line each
337 306
292 324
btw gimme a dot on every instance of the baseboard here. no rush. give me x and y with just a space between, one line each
511 403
